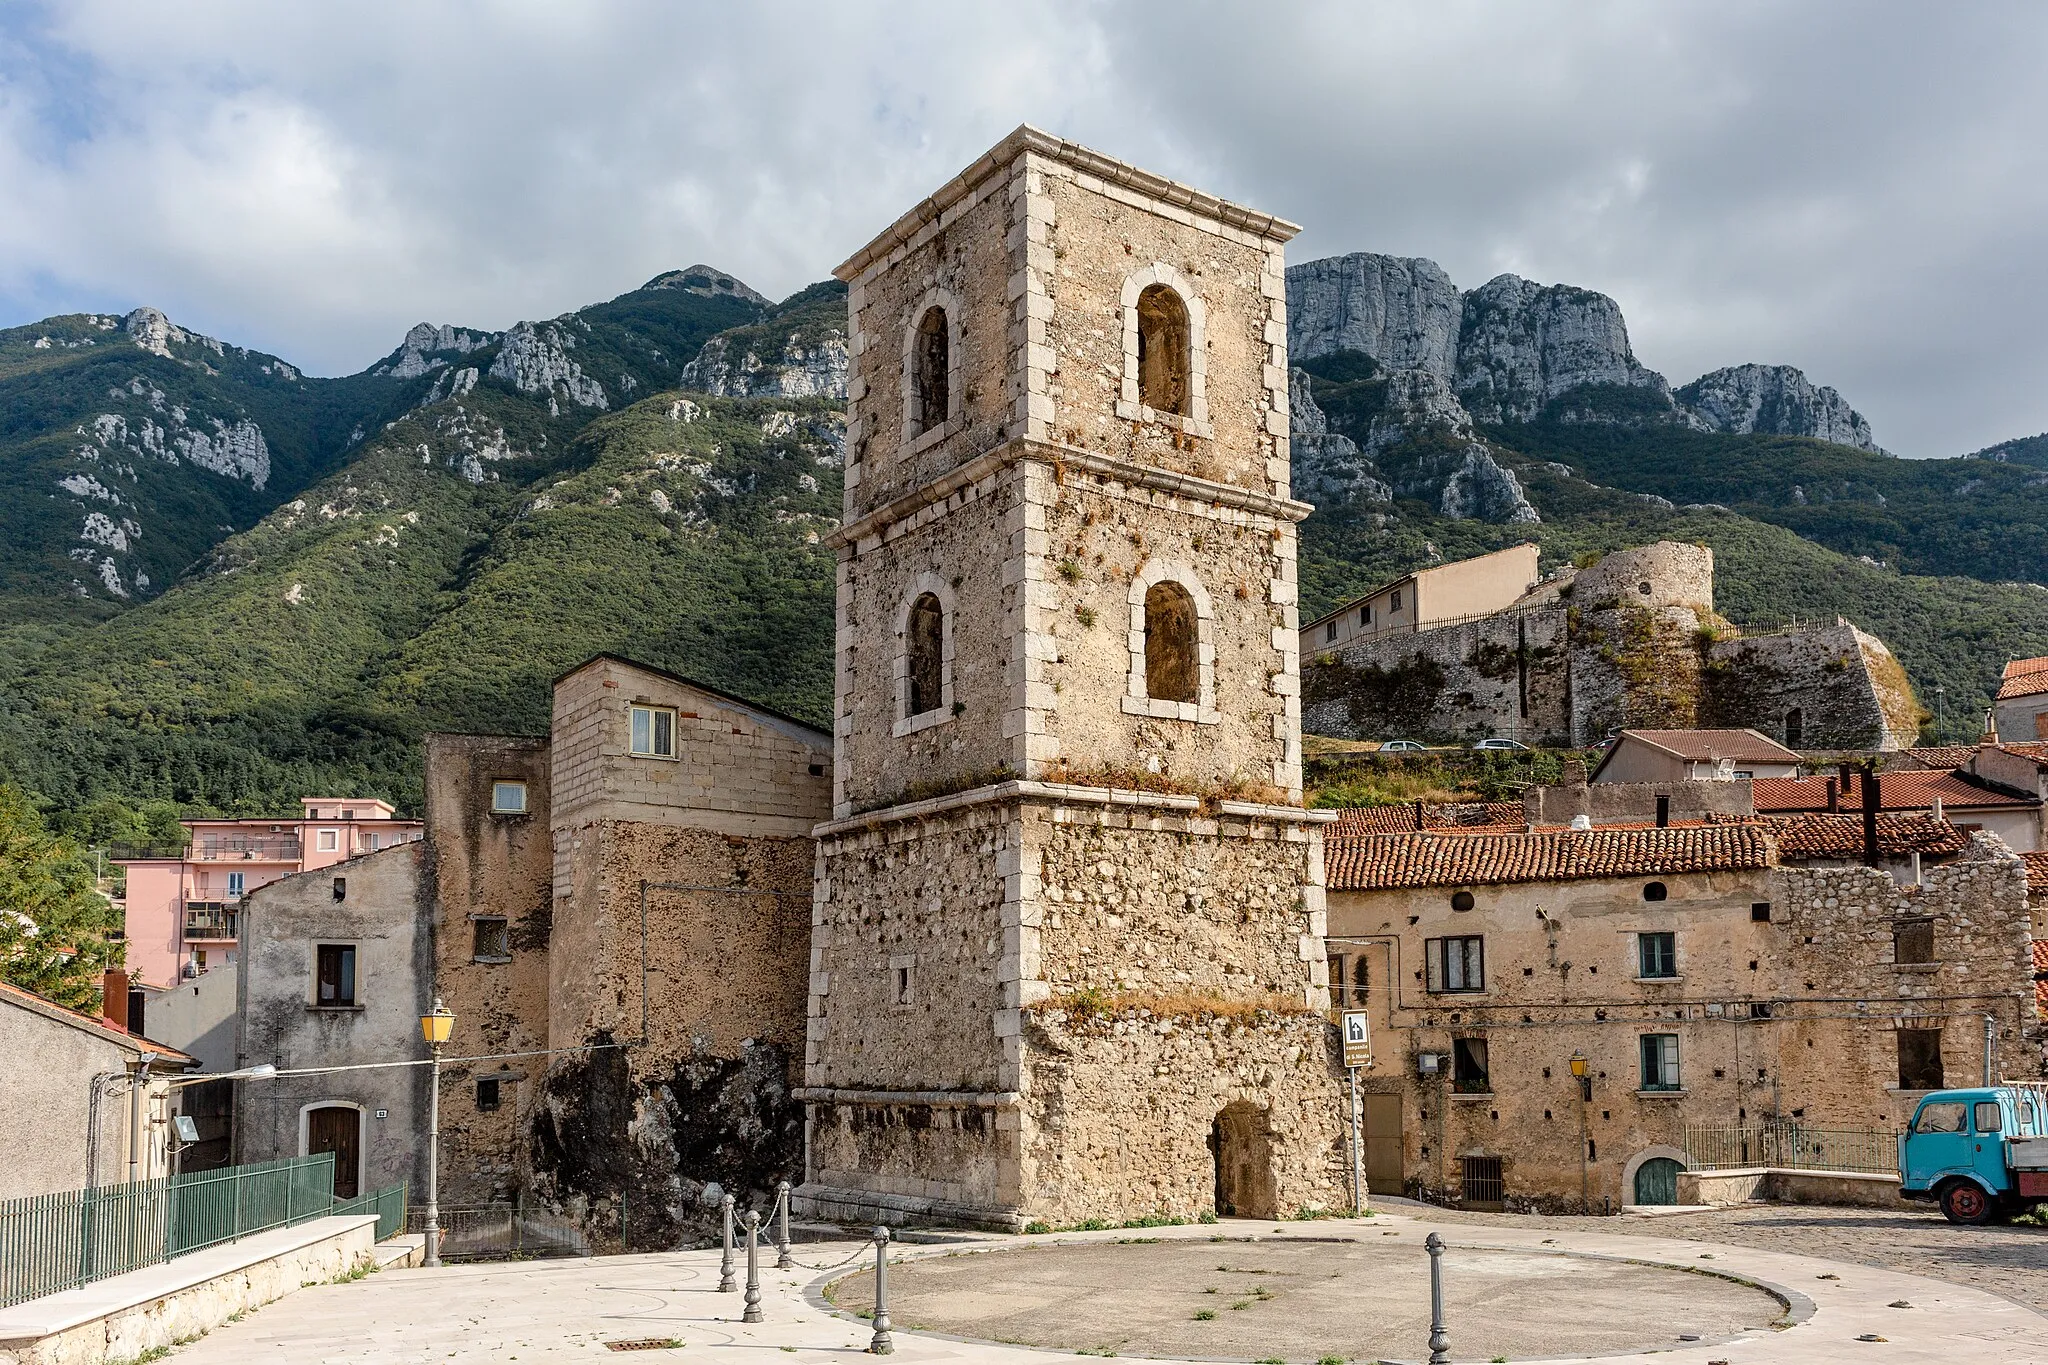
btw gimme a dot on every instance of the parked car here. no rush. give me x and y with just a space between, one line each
1498 743
1403 746
1981 1153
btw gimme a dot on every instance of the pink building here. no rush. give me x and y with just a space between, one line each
182 912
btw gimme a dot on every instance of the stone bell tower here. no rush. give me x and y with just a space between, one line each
1067 954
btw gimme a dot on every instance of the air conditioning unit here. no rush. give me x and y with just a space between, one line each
191 970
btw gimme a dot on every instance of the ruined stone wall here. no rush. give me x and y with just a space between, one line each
1464 681
1608 803
486 863
1665 574
1848 689
636 1135
1793 1017
1633 666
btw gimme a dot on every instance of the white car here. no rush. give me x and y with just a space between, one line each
1512 744
1402 746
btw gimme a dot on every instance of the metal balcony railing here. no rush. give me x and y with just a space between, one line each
211 920
224 849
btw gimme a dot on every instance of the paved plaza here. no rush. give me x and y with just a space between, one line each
1608 1287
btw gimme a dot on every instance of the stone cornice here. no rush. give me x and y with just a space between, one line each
1071 793
1069 458
1029 139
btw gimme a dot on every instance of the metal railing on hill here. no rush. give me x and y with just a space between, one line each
53 1242
1867 1151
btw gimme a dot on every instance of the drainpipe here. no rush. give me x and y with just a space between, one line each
135 1119
1990 1043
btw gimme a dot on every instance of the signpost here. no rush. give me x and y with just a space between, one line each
1357 1053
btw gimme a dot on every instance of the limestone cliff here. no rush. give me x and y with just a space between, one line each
1775 400
1328 466
1522 345
1403 311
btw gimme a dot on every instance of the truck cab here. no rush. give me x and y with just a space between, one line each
1980 1153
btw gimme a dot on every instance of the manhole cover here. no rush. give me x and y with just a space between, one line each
647 1344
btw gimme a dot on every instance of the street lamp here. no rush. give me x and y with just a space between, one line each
435 1027
1578 1065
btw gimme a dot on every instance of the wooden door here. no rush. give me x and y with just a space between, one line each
1657 1181
337 1129
1384 1173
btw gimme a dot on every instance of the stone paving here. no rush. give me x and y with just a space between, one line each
570 1310
2011 1260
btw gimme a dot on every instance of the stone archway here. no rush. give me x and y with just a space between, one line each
1242 1141
1656 1152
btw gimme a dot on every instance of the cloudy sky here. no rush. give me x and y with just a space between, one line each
1855 188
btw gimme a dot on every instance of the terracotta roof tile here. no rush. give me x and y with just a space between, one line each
2041 976
1950 756
2024 678
1357 820
1908 789
1811 835
86 1021
1744 746
2037 875
1487 857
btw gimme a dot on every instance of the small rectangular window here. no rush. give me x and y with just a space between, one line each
487 1094
1912 941
492 937
1469 1075
654 732
1365 615
1656 955
1482 1186
1920 1059
1760 912
1395 605
1989 1118
1455 964
1330 632
335 974
902 989
235 883
1660 1061
508 798
328 841
341 888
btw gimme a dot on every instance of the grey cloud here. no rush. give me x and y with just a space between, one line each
1852 188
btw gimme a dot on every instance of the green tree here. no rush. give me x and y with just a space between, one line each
54 923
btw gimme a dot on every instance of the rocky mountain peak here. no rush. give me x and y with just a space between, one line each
1522 344
1775 400
416 354
708 281
1400 310
151 331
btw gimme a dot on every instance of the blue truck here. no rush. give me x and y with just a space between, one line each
1981 1154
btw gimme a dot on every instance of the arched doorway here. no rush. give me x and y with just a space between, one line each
1241 1140
1657 1181
337 1128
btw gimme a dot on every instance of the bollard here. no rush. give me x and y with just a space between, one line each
1439 1340
726 1283
753 1309
784 1258
883 1342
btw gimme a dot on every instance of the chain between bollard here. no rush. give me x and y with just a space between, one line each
752 1312
883 1342
726 1283
1439 1339
784 1260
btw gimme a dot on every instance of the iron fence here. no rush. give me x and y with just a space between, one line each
1869 1151
53 1242
492 1232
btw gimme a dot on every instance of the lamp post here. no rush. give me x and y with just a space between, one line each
435 1027
1578 1064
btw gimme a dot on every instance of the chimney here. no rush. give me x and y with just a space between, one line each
1873 799
1834 795
1419 823
1663 812
1574 772
114 998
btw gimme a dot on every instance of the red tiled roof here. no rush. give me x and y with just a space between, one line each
2037 877
45 1005
2024 678
1492 858
1950 756
1811 835
2034 749
1360 820
1905 790
1744 746
2041 976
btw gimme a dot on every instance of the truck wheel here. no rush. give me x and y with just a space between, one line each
1964 1202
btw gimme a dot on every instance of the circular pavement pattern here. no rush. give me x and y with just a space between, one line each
1305 1300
